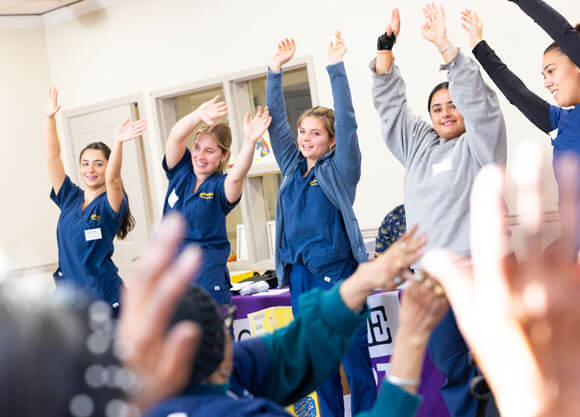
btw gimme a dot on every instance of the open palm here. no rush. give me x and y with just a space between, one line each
52 107
128 130
255 128
336 49
285 52
211 110
434 29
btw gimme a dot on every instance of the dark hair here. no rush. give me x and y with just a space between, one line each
128 221
554 46
441 86
50 366
198 306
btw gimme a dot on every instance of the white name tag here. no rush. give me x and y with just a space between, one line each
172 199
442 166
93 234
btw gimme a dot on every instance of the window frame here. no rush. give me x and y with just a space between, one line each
237 96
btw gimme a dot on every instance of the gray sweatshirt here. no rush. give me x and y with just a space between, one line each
440 172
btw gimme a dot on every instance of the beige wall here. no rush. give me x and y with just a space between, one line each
28 217
139 46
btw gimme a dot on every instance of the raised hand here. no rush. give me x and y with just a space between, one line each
211 110
391 267
531 308
388 270
394 26
52 107
336 49
434 29
285 52
422 308
128 130
161 358
254 128
473 26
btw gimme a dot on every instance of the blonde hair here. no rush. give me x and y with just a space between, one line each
324 114
222 135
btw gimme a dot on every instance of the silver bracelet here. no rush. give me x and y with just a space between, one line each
446 49
402 381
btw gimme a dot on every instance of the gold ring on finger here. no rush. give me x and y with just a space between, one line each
438 290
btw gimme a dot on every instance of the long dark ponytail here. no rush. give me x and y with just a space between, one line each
128 221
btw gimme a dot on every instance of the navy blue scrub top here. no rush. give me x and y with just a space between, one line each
85 242
205 212
314 234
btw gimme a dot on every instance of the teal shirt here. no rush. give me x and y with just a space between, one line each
287 365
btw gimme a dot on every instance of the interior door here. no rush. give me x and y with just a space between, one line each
101 126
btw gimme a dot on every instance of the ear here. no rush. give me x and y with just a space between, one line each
226 156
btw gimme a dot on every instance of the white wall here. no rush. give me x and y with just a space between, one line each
144 45
28 217
139 46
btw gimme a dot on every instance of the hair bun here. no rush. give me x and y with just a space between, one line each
577 27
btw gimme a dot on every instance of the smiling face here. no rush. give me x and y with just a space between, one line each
447 120
93 167
313 138
561 78
206 155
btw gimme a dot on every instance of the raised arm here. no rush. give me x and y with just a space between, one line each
402 131
555 25
253 130
435 31
53 160
536 109
176 143
347 154
127 131
281 135
485 127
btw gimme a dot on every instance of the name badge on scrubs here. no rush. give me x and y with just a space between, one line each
93 234
172 199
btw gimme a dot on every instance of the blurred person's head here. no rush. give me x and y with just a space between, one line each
214 358
56 358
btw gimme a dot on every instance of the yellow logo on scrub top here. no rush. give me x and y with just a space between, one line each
206 196
313 183
95 217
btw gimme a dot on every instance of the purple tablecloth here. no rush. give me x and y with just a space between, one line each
431 379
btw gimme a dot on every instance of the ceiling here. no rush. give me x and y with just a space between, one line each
31 7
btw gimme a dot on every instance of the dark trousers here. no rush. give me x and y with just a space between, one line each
356 362
449 354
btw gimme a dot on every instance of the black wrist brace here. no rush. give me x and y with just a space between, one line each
386 42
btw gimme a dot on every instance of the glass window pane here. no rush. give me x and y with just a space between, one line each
187 103
270 187
296 94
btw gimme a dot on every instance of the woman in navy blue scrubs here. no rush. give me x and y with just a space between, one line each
199 189
90 218
318 241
